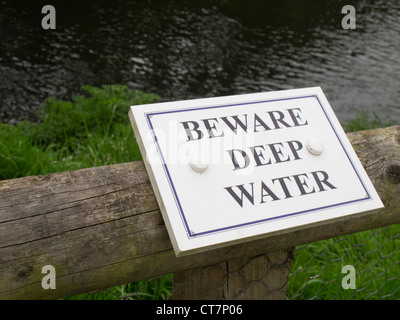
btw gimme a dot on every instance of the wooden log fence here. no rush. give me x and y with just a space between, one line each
101 227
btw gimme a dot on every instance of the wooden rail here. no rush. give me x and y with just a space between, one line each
101 227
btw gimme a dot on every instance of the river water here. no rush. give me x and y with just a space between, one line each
192 49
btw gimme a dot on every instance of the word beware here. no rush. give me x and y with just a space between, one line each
270 120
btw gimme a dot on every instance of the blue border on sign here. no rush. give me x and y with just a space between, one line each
192 234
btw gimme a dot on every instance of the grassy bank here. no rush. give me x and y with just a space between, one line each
93 130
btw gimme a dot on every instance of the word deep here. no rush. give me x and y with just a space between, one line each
268 154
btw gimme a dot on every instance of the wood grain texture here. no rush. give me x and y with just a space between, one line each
261 277
101 227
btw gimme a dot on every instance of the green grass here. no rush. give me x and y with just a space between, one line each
365 122
155 289
90 131
375 254
93 129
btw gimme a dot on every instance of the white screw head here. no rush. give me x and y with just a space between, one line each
198 161
315 146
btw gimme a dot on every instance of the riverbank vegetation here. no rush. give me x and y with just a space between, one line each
93 129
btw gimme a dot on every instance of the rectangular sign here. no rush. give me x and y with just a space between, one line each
236 168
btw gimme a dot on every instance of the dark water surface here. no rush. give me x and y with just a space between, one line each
191 49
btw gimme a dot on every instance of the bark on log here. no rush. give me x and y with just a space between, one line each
101 227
